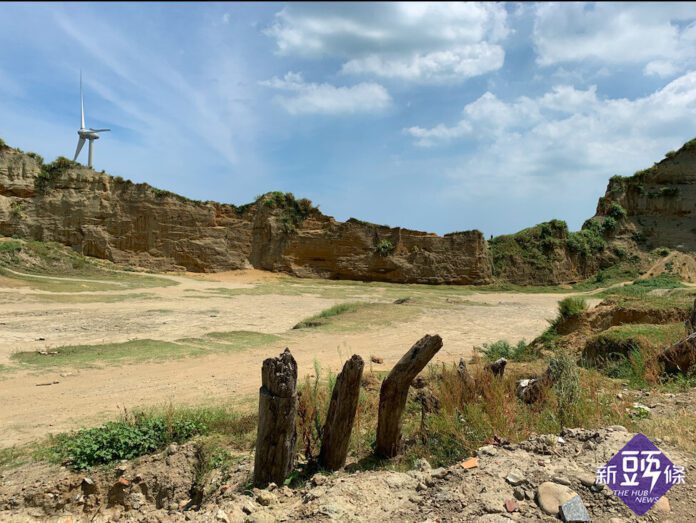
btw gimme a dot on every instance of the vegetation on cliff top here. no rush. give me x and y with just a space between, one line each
292 212
538 246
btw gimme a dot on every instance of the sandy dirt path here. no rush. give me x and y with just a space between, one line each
86 396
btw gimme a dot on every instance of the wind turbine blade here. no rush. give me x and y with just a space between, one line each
82 102
99 130
80 143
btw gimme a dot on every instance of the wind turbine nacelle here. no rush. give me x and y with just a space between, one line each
88 134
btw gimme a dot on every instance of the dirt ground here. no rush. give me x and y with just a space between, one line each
32 319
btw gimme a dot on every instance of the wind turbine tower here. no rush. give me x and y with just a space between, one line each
86 133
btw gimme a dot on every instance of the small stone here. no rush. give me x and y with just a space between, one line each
172 449
550 497
518 492
221 515
421 487
662 505
319 479
561 480
377 360
121 469
586 479
265 498
123 481
488 450
574 511
271 487
515 478
511 505
470 463
439 473
617 428
88 481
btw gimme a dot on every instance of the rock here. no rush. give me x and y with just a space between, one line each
421 487
439 473
550 496
319 479
221 515
377 360
121 469
574 511
617 428
515 478
173 448
662 505
511 505
586 479
265 498
488 450
561 480
518 492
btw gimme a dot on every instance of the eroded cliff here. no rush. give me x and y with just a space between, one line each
135 224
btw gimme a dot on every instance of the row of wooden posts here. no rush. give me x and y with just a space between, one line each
276 436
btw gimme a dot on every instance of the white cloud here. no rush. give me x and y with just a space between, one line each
424 42
533 144
447 65
314 98
655 34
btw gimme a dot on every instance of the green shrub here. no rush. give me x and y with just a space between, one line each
670 154
616 211
609 224
128 438
503 349
662 281
53 171
11 246
3 145
384 247
669 192
39 159
571 306
292 211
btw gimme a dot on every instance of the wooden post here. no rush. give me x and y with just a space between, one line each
275 437
394 392
339 420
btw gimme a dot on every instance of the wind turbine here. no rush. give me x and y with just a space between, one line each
86 133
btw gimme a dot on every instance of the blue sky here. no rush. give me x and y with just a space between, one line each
438 117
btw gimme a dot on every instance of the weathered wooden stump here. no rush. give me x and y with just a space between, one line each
275 437
339 420
467 380
394 393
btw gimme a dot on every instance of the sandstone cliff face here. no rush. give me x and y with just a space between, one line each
110 218
659 203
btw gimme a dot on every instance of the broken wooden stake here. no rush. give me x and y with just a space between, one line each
275 437
394 393
339 420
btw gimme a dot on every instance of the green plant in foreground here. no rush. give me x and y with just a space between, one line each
571 306
503 349
566 383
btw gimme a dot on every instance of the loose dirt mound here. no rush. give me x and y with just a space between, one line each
679 264
504 483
